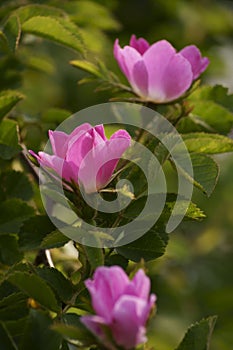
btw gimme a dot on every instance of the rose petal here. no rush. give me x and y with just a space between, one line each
58 142
117 51
99 164
140 44
128 323
126 58
198 63
139 286
78 147
140 79
170 75
107 286
76 133
94 323
177 78
59 165
101 132
110 155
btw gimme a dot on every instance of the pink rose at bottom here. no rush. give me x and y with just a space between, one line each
85 155
122 307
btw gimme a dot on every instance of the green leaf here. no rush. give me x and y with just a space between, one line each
8 99
6 288
9 250
87 66
7 343
71 332
54 239
194 213
73 329
82 301
65 346
116 259
3 42
38 333
59 30
39 63
15 184
33 231
9 146
218 94
90 13
20 267
150 246
198 335
35 288
57 281
184 208
136 206
205 172
55 115
12 31
212 109
200 142
16 327
13 307
26 12
13 212
95 256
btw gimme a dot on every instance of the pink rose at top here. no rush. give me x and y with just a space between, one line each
122 305
85 156
158 73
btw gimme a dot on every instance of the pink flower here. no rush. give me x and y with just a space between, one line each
85 156
157 73
121 305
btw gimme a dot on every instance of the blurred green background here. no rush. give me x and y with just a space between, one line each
194 278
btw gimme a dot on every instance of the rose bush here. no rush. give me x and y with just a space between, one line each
158 73
122 306
85 156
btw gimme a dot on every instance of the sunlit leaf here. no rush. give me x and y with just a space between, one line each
200 142
86 66
91 13
12 31
26 12
212 111
55 29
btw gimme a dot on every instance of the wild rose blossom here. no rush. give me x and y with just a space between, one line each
158 73
121 305
85 156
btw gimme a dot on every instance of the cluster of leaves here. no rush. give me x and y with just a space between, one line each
40 305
